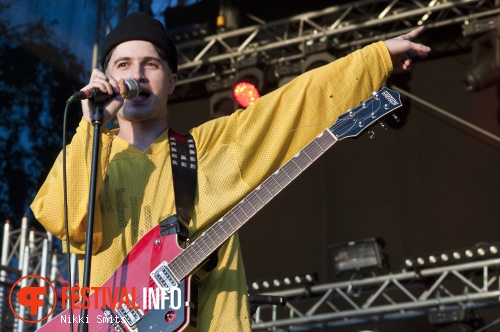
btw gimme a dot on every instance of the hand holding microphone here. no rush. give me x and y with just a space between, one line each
101 89
132 86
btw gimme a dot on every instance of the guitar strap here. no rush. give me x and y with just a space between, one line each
184 177
184 173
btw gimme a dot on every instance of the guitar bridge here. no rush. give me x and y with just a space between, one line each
128 315
163 278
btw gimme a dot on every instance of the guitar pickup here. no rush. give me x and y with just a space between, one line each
112 320
127 315
163 278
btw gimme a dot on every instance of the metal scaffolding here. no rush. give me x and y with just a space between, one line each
406 294
337 29
27 252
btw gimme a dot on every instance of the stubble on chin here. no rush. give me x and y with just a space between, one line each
136 113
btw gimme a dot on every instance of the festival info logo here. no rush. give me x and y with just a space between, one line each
32 299
36 295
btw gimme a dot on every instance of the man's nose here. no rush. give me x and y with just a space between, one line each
138 73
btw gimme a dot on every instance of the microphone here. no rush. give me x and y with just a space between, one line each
133 90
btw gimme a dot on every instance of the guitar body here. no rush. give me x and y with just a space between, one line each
151 252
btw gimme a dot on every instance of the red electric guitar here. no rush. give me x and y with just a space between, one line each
158 263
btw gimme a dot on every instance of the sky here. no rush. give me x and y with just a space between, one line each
74 20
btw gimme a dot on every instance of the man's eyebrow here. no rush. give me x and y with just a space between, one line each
145 59
121 59
152 58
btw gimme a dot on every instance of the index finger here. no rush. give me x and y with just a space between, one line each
414 33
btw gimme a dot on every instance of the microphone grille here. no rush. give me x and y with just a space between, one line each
133 88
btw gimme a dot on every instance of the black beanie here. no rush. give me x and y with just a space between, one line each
140 26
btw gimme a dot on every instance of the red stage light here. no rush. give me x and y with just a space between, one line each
245 93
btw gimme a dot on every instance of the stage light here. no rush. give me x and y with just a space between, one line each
455 320
248 86
287 282
219 83
284 72
359 255
471 28
222 104
245 93
189 32
485 70
288 68
317 45
485 74
469 253
477 252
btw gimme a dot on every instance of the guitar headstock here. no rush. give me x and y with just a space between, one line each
356 120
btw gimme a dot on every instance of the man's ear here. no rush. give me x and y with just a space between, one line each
172 83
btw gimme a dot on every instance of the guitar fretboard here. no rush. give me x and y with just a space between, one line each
185 263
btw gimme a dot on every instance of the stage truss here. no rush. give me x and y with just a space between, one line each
392 296
338 30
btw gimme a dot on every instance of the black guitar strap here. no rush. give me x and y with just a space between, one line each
184 177
184 172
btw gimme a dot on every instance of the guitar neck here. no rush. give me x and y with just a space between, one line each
350 124
184 264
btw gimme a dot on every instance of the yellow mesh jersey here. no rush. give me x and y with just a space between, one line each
235 154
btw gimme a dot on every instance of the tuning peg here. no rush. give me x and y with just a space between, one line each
382 125
371 134
395 117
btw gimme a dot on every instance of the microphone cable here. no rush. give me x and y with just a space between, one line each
65 200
